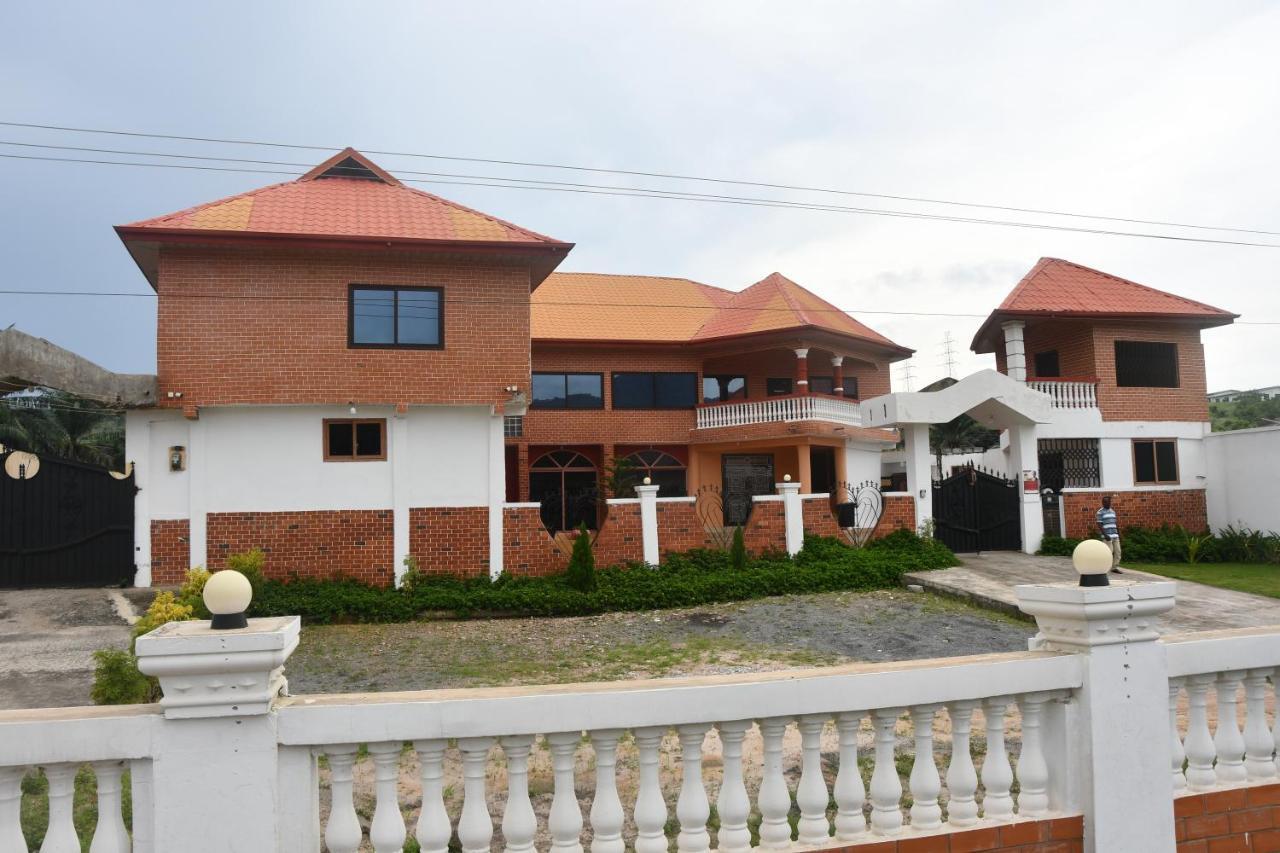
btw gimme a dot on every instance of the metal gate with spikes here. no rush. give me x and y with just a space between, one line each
976 510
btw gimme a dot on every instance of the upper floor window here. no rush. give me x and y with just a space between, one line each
827 385
655 390
716 389
355 439
568 391
1146 364
1047 365
410 317
1155 461
777 386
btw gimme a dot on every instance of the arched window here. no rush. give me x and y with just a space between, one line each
564 482
662 469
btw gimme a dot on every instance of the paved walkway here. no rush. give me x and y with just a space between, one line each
988 579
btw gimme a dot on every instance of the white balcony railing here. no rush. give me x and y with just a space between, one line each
806 407
1068 393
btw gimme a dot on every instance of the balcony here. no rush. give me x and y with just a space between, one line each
797 407
1068 393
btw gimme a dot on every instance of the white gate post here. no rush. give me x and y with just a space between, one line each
649 522
217 743
793 516
1118 725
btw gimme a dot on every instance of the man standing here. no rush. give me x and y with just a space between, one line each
1110 531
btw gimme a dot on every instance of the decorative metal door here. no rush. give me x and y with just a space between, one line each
69 525
974 510
745 476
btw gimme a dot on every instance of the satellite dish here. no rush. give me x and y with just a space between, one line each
22 465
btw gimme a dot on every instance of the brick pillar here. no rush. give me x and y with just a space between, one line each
802 370
837 375
522 466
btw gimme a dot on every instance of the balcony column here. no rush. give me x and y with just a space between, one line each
1015 350
804 470
802 370
837 375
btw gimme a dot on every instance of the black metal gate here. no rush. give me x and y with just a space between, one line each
69 525
974 510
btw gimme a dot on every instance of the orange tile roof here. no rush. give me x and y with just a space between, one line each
1059 288
347 196
654 309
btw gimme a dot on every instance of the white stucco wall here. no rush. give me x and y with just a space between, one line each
861 462
1244 482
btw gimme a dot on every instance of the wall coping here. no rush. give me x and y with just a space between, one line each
621 501
765 498
684 500
525 505
815 495
1119 489
899 494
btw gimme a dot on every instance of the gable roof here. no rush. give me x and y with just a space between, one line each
656 309
346 199
1058 288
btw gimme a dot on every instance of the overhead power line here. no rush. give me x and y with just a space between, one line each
670 195
639 173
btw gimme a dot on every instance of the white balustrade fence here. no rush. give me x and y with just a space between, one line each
810 407
1068 393
711 763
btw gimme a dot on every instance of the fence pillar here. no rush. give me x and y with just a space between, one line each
793 516
919 470
217 742
649 522
1118 728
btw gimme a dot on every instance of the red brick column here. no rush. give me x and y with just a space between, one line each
802 371
837 375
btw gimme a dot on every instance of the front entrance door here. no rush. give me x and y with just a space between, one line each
977 511
745 475
822 468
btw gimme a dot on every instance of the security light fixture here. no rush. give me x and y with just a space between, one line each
177 458
228 594
1092 559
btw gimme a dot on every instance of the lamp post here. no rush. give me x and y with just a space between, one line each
1092 560
227 594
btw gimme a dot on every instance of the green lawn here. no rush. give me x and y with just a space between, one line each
1258 578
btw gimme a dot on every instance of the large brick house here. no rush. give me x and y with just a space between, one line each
352 372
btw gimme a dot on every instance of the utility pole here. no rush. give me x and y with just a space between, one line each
949 354
906 375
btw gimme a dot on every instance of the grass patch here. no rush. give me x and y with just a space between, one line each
1259 579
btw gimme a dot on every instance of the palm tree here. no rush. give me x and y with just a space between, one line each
68 427
960 433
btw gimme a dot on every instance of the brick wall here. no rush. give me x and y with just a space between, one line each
527 549
766 529
620 539
170 550
1073 339
1053 835
352 543
450 540
1187 402
680 528
281 337
816 516
1150 508
899 514
1241 819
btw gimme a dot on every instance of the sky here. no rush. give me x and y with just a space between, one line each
1147 110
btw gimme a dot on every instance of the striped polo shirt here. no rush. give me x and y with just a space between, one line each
1107 520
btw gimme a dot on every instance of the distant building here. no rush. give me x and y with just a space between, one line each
1269 393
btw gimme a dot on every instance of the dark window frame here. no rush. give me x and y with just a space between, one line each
1172 348
846 380
352 343
720 377
566 407
791 386
355 447
1155 462
1056 373
653 407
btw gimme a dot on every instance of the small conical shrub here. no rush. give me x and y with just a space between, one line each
738 551
582 563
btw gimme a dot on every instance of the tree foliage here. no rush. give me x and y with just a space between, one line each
1251 410
67 427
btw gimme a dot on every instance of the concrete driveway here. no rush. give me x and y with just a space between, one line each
988 579
47 640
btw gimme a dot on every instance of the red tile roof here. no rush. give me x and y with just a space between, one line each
1058 288
347 196
652 309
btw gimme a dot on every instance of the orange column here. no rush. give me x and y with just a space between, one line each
805 471
802 371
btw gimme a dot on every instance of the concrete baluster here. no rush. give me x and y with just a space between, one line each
997 774
1258 746
773 799
109 836
732 803
1177 755
1033 770
606 808
886 788
519 824
1227 740
1199 742
342 834
11 809
811 793
650 811
962 778
692 807
434 828
925 782
386 832
61 835
565 820
850 793
475 826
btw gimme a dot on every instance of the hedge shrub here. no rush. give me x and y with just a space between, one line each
1175 544
700 576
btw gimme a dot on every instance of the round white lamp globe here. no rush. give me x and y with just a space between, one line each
1092 559
227 594
786 478
648 481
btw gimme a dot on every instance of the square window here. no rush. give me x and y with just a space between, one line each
675 390
586 391
373 316
548 391
411 317
1047 364
348 439
369 438
418 317
1146 364
777 387
1155 461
